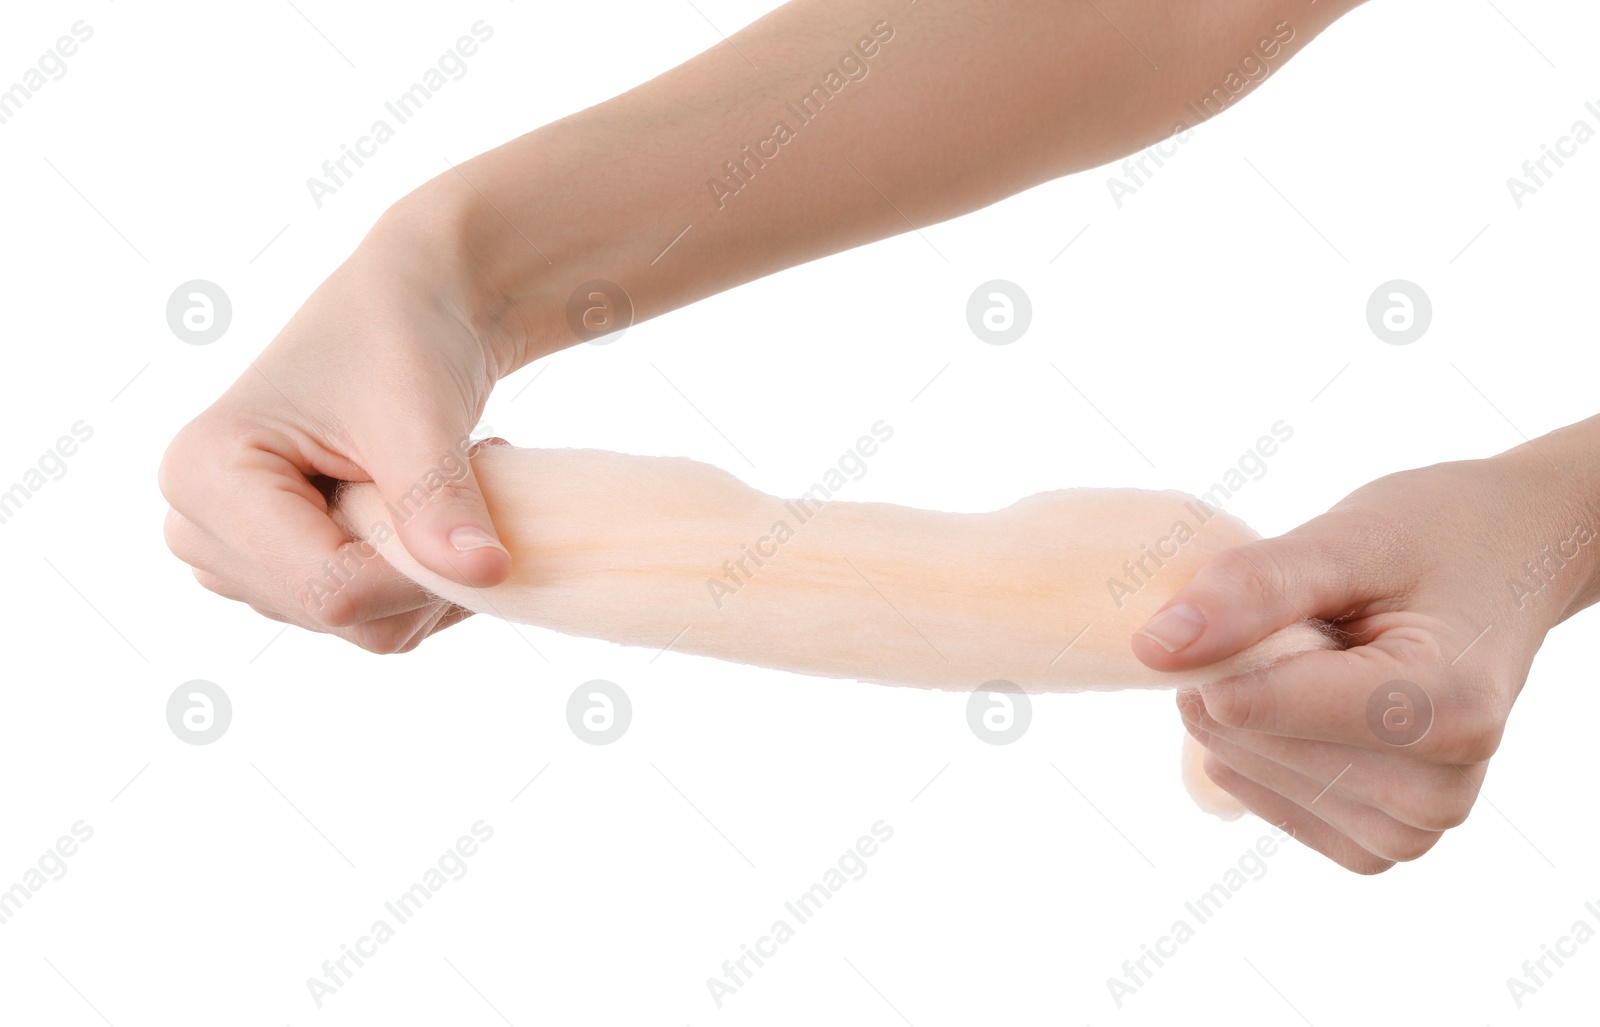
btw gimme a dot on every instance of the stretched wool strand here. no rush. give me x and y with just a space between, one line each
669 553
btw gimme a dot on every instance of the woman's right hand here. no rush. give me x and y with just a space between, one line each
380 376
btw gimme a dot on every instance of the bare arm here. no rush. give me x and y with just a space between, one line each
825 125
893 115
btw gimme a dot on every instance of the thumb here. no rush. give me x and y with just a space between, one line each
434 501
1241 596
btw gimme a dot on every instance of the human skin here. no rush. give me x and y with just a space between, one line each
389 363
1418 568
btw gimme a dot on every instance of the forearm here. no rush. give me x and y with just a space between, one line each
686 186
1561 569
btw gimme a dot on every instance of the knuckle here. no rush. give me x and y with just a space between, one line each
1416 648
1478 744
1434 801
1404 844
1473 722
1387 838
331 609
194 446
271 614
1441 815
415 640
455 494
211 443
178 535
1221 774
212 583
1225 706
180 455
1246 703
1250 570
385 638
1369 865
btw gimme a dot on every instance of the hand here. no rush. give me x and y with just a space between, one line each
1369 753
378 377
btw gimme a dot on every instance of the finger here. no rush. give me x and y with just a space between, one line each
455 616
446 616
377 589
1244 594
1304 827
380 590
219 586
385 637
1372 829
270 527
1204 791
271 614
412 608
1334 695
393 635
1387 696
435 502
1425 796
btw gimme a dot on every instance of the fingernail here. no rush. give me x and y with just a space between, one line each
468 537
1174 627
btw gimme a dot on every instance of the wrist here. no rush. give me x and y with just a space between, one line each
512 234
1561 471
433 237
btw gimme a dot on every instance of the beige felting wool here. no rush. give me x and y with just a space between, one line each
666 552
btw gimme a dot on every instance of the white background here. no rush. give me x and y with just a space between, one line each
1220 298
